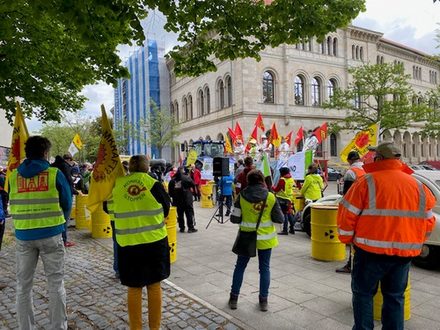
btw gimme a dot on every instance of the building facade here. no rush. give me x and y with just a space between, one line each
148 82
289 85
5 138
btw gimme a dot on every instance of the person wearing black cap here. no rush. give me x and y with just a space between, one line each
353 173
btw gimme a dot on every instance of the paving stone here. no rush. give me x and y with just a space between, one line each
95 300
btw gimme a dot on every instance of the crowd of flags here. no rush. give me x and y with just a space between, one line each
108 166
274 138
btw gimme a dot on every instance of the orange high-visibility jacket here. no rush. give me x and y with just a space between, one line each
358 171
387 211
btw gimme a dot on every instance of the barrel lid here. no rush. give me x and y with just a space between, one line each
324 207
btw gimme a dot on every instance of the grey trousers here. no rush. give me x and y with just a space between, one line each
51 250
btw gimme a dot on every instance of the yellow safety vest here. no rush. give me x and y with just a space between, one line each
35 201
266 233
287 193
139 218
111 209
312 187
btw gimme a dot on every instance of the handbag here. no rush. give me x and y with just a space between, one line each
246 241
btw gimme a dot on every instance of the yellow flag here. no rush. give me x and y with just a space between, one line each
19 136
77 141
228 146
361 142
192 157
107 168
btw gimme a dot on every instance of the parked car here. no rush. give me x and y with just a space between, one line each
333 175
430 255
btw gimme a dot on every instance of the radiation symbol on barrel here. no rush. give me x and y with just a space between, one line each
329 234
107 230
172 245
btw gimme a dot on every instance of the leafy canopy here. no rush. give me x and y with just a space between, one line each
49 50
378 93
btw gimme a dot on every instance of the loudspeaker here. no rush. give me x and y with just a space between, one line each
220 166
182 147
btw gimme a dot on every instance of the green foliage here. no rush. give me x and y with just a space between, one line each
383 94
162 128
49 50
61 135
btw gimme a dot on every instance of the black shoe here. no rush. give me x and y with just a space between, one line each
346 269
292 231
233 299
283 233
263 304
192 230
228 213
182 230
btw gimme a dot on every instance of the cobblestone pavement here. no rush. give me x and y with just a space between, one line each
95 299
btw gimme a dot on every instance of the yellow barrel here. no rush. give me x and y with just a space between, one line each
82 220
73 212
206 202
171 222
206 189
298 201
101 224
378 301
326 245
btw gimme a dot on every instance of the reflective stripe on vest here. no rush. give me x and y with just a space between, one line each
345 232
253 225
138 216
388 245
35 201
139 229
359 172
373 210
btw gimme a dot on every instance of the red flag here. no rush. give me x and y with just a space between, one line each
299 135
274 138
321 132
288 138
238 132
254 134
259 122
232 135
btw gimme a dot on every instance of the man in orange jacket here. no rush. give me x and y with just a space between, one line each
387 215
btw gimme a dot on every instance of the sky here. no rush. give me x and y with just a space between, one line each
409 22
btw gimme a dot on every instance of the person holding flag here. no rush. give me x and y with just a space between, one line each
265 146
239 149
311 142
284 150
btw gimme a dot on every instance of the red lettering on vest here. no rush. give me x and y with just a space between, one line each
39 182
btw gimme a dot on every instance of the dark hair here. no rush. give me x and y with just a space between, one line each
36 146
353 155
67 156
313 169
255 177
138 163
240 161
248 161
284 170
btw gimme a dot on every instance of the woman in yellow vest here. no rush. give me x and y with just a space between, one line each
313 184
140 204
247 209
284 193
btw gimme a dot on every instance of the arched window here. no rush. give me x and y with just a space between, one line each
187 112
331 85
176 109
353 52
184 109
229 91
382 60
361 53
207 100
333 145
299 90
329 45
201 103
323 47
268 87
335 47
316 92
191 112
378 61
221 94
357 52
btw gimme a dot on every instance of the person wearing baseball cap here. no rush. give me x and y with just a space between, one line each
353 173
387 216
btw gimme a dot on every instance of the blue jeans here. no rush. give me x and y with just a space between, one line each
263 265
368 270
